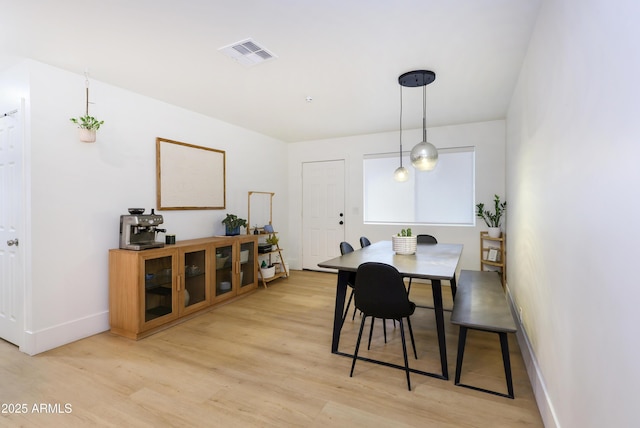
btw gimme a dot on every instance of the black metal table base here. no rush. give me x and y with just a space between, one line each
395 366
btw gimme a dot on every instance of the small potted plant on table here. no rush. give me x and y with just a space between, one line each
404 242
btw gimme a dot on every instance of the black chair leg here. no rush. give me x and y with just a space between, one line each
355 354
384 329
404 351
373 320
347 308
413 342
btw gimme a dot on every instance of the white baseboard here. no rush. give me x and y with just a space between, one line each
545 406
36 342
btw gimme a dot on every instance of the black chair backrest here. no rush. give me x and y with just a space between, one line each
380 292
345 248
426 239
364 241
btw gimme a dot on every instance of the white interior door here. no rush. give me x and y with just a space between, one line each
11 276
323 213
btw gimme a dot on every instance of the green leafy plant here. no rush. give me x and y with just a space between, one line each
231 221
272 239
492 219
405 232
87 122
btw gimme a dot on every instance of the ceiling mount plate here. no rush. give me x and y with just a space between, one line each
413 79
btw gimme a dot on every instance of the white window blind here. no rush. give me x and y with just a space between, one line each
442 196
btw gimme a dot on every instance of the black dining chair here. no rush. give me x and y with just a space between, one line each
428 240
364 242
379 293
346 248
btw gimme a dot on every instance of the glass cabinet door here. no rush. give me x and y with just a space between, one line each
194 279
247 264
158 288
224 271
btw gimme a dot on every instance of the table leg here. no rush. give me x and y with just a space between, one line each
341 292
436 286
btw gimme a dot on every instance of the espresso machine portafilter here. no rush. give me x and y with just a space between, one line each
138 231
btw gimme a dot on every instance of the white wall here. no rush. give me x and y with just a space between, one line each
572 186
487 137
79 190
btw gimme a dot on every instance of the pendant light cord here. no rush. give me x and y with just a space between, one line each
424 113
400 126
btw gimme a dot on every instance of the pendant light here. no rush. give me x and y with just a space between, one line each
424 156
401 173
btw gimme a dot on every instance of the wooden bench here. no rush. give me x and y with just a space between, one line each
480 304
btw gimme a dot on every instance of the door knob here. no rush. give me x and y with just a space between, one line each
12 242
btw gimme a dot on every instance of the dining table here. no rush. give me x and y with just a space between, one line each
433 262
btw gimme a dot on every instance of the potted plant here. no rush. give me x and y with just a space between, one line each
88 126
267 271
232 224
404 242
492 219
273 240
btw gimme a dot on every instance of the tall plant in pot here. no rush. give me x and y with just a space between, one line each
492 218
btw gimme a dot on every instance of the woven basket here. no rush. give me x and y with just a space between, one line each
404 244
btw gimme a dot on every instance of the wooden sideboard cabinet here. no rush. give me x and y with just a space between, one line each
153 289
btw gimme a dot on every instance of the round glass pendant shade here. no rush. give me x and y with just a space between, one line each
401 174
424 156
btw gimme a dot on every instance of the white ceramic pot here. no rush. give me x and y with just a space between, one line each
494 232
87 135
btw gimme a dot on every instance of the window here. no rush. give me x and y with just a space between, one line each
442 196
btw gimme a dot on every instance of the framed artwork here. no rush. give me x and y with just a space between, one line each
492 256
189 177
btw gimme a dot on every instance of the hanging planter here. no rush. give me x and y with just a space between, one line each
88 125
87 135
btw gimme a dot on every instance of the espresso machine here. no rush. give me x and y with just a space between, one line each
138 231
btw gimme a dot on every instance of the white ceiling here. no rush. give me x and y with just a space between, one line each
345 54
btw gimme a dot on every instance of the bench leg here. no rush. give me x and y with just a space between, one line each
462 338
504 344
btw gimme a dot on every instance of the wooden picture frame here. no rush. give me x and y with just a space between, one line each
189 177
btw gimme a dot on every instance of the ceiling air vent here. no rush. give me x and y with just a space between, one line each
247 52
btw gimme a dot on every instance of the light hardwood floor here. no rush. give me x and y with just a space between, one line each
265 360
